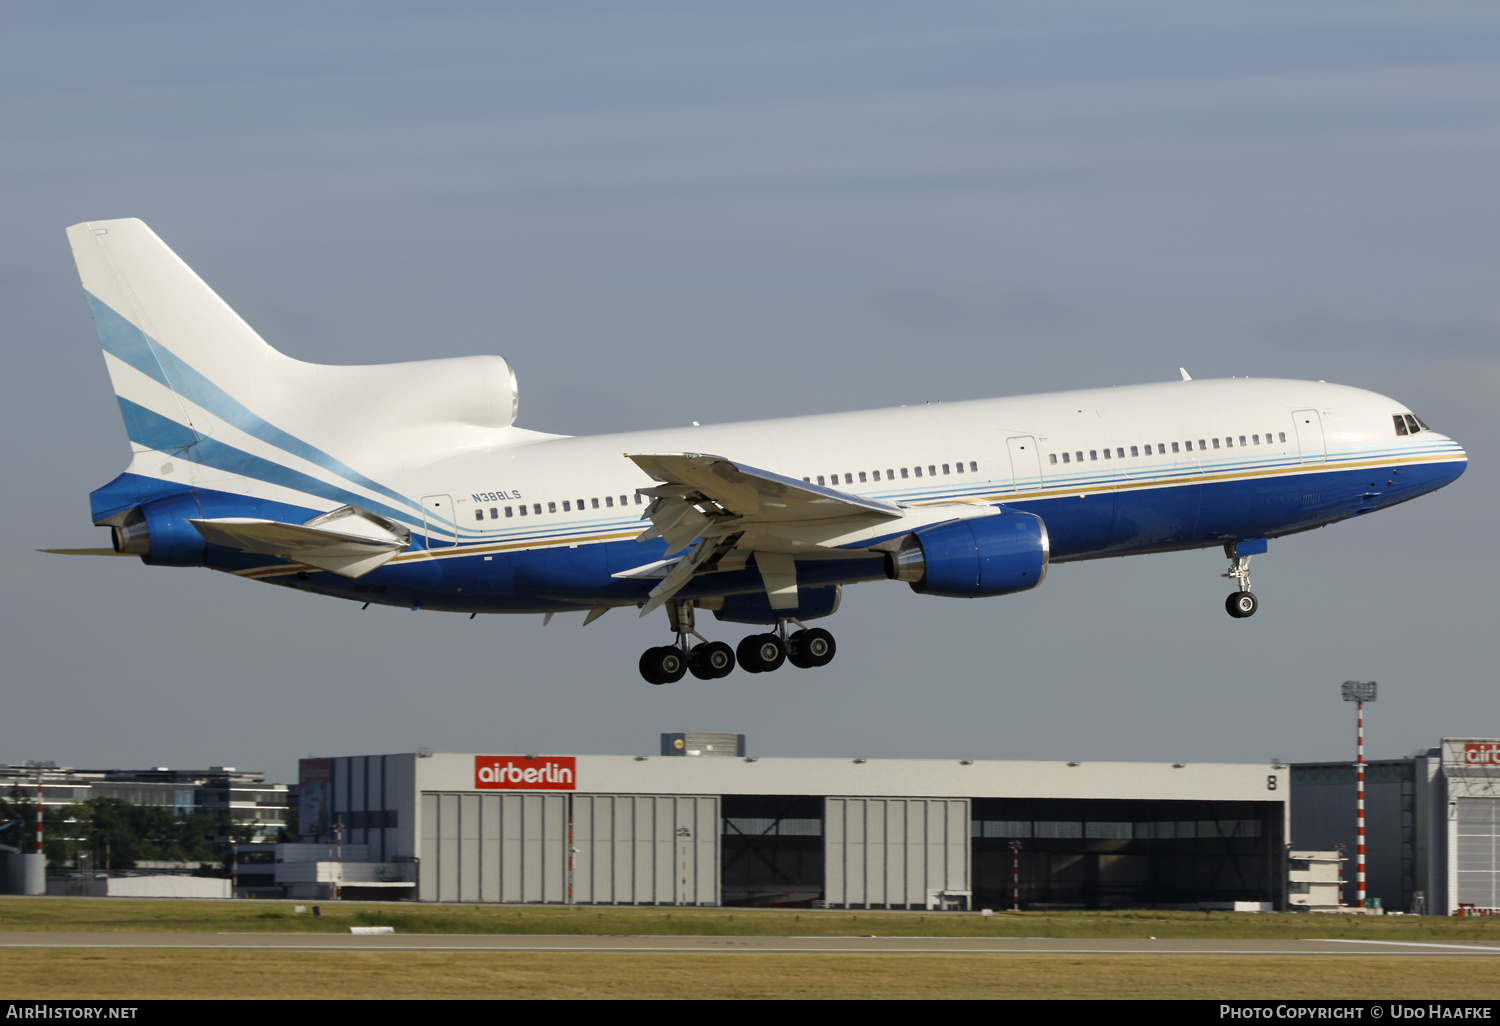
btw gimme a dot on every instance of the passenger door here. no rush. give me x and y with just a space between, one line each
437 519
1310 436
1025 463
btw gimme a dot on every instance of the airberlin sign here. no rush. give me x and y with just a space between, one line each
1482 754
518 773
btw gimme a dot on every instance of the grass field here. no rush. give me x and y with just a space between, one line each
35 973
183 915
143 974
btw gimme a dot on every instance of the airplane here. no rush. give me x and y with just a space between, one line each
410 484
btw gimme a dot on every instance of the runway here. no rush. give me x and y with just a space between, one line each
740 945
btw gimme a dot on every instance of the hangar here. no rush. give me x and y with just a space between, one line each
701 823
1433 824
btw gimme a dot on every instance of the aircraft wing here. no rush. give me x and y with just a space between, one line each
349 542
717 501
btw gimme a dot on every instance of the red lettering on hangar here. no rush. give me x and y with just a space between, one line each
518 773
1482 755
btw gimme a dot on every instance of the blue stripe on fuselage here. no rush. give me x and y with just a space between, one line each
1112 523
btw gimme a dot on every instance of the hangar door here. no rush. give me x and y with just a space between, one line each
890 852
494 847
1475 858
645 849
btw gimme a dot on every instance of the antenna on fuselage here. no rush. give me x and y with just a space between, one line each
1185 375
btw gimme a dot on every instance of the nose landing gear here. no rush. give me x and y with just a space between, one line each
1242 603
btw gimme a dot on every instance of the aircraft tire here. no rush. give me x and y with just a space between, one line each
663 665
819 646
771 651
711 660
745 652
1242 604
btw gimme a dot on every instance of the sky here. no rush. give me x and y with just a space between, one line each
669 212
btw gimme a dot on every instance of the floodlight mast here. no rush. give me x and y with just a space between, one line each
1359 692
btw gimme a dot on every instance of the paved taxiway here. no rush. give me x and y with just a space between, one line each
743 945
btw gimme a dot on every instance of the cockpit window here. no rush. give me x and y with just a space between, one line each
1413 424
1400 420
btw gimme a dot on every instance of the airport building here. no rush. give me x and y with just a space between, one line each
703 823
230 797
1432 825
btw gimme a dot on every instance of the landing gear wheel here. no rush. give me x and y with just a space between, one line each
664 665
809 648
761 653
711 660
1242 604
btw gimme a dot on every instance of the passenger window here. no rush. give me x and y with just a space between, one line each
1106 454
1161 447
1281 435
1253 438
1120 452
808 480
1065 458
1242 441
974 466
494 513
551 507
523 511
1093 454
820 479
567 506
931 470
624 500
1133 452
861 477
903 472
1078 455
1174 446
1204 445
1228 441
945 466
507 511
1216 443
580 505
609 500
536 507
919 471
595 502
959 466
890 475
848 479
479 514
638 498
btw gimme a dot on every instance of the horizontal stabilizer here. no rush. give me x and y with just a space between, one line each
349 542
85 552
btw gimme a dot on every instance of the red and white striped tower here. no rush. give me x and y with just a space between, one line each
1359 692
1015 876
39 811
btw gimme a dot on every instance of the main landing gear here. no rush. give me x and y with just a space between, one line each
1242 603
710 660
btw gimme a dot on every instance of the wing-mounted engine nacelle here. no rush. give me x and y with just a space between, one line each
756 607
971 558
158 531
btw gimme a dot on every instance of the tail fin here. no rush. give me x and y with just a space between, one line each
208 404
167 336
